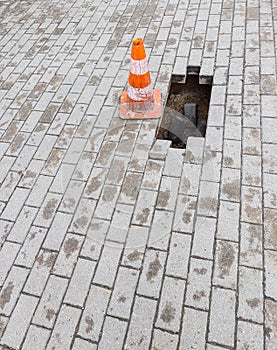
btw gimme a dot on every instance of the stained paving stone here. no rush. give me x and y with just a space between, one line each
150 279
250 299
243 341
270 324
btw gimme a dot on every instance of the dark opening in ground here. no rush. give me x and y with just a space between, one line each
187 108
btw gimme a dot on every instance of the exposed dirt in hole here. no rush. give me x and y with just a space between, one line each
180 94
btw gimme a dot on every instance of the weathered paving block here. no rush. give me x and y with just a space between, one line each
135 246
11 289
226 261
251 204
270 228
37 337
184 214
224 316
152 272
145 207
68 255
194 329
203 240
228 221
50 302
113 334
270 323
250 299
199 284
107 267
139 334
208 198
94 312
270 274
170 308
251 251
243 339
106 203
8 254
160 231
167 193
177 262
40 272
20 320
159 149
65 327
152 175
123 293
190 179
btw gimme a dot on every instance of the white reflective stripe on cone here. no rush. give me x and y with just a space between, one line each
139 67
140 94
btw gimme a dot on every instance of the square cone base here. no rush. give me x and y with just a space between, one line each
154 113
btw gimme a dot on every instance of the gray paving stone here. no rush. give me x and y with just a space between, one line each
151 277
226 261
79 343
120 223
47 210
164 340
40 272
144 208
250 299
174 162
194 329
107 266
117 171
199 284
139 333
95 183
194 150
253 342
123 293
230 185
270 190
228 221
106 203
270 274
270 323
170 308
270 220
82 216
80 282
251 251
208 198
203 240
152 175
8 254
177 262
251 141
159 149
224 316
11 289
251 204
167 193
36 338
184 214
160 231
113 334
94 312
39 190
18 325
15 204
22 225
211 166
50 302
68 255
65 327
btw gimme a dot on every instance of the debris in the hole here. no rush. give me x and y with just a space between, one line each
180 128
202 125
190 111
181 94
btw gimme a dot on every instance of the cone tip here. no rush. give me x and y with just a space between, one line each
138 51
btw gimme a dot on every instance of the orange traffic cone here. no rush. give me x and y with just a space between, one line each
140 101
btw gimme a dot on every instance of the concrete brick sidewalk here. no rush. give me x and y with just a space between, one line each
109 240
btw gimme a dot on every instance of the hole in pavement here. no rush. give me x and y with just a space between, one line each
187 107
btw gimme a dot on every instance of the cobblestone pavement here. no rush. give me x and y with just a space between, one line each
108 242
